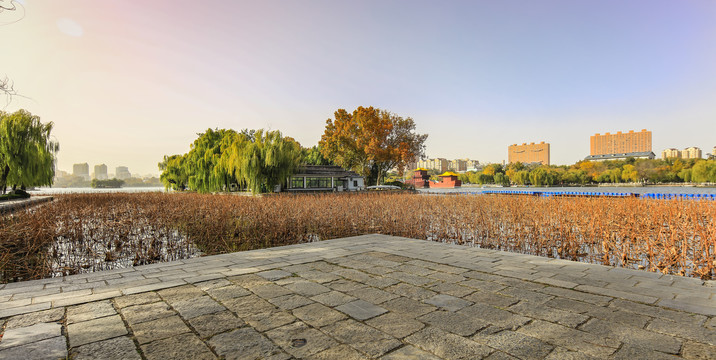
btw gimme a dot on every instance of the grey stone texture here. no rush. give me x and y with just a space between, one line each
201 305
456 323
244 343
396 324
50 349
409 352
45 316
362 337
95 330
116 348
185 346
318 315
361 309
301 340
158 329
146 312
366 297
333 298
289 302
90 311
212 324
448 346
29 334
447 302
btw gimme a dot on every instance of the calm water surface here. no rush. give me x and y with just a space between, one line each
54 191
615 189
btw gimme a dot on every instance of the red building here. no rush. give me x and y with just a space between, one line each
420 179
447 180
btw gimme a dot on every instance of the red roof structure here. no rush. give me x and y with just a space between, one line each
447 180
420 179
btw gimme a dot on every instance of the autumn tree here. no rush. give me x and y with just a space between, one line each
492 169
371 141
513 168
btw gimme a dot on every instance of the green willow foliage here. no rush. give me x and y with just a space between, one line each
222 159
26 152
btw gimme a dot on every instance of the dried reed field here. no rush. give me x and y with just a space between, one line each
90 232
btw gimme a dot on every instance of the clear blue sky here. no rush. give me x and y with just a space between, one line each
126 82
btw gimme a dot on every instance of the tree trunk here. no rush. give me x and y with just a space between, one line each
3 179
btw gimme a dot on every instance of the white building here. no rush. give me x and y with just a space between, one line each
100 172
122 173
325 178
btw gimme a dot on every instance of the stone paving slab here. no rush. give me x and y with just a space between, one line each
364 297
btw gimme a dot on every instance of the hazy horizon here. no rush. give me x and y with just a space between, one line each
126 83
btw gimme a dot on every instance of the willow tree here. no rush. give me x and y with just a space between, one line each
206 169
371 141
257 160
224 170
27 153
174 173
268 160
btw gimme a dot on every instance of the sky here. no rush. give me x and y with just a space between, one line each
127 82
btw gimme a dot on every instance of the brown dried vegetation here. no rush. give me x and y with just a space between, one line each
90 232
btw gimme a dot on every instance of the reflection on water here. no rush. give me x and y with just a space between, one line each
87 190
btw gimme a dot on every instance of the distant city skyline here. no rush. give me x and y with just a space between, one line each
127 82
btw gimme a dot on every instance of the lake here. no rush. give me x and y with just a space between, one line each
600 189
55 191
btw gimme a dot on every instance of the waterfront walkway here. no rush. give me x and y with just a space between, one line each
17 204
371 296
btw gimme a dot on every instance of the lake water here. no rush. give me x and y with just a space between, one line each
600 189
88 190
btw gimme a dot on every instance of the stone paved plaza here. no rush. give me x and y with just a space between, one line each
371 296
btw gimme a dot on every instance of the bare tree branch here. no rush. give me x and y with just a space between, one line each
11 7
7 88
7 5
6 85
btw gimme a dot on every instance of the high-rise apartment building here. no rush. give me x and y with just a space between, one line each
529 153
620 143
691 153
100 172
439 164
122 173
670 153
81 170
688 153
457 165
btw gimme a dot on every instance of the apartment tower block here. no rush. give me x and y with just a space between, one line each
529 153
620 143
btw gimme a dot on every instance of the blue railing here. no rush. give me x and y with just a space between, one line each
659 196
